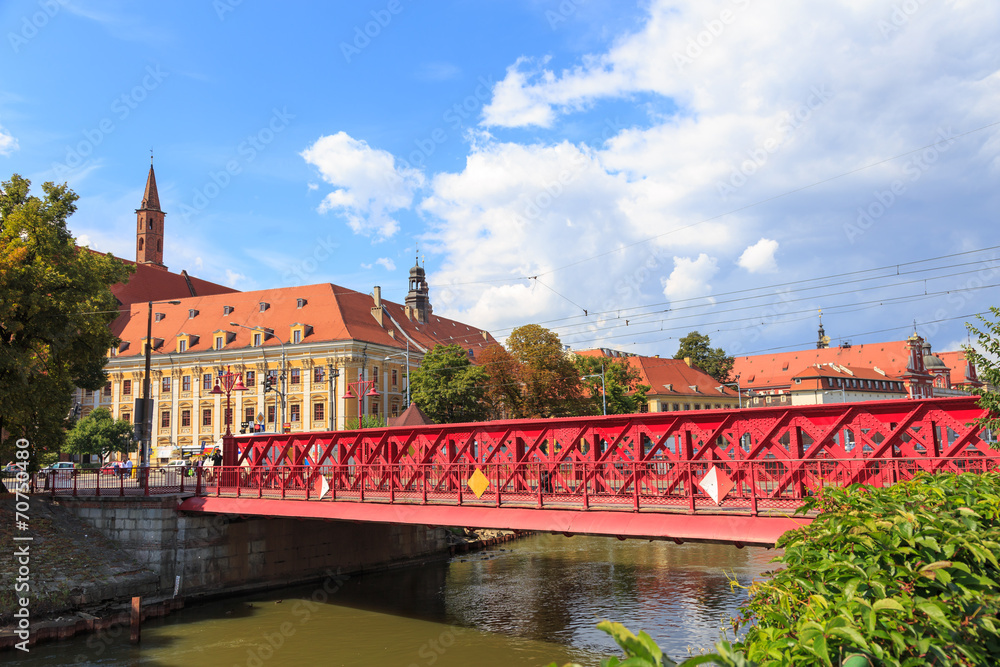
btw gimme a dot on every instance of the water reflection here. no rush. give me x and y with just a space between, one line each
524 603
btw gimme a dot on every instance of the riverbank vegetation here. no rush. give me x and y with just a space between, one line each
901 576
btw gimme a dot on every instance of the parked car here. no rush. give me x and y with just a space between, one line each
112 468
60 466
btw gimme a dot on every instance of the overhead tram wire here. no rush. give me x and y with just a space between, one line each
737 210
630 309
784 299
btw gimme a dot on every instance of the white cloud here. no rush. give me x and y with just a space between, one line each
690 277
759 258
370 187
386 263
8 144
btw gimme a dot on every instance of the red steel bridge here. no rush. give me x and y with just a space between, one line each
731 476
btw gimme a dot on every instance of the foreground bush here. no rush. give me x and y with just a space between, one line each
901 576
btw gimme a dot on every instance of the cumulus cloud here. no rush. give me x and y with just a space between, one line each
690 277
8 144
759 258
370 186
386 263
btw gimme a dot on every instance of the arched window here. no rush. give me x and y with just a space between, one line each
140 243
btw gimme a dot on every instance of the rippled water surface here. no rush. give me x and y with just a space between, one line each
528 602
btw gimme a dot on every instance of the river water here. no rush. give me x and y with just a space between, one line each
528 602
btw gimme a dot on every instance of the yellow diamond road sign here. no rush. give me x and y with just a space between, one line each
478 483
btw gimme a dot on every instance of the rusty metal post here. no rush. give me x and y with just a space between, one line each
136 618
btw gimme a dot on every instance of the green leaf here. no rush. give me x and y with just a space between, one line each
887 603
850 634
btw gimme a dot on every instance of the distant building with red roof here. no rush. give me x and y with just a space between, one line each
873 371
674 384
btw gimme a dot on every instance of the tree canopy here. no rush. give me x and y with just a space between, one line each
448 388
548 380
713 361
55 311
622 381
987 366
101 434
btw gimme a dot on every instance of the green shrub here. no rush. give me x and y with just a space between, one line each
901 576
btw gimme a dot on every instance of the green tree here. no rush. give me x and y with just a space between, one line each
101 434
448 388
622 381
987 367
713 361
55 312
550 384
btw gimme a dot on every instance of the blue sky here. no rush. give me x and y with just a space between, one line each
624 173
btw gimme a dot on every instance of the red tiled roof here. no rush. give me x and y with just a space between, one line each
776 370
411 416
836 371
332 312
658 373
152 283
957 364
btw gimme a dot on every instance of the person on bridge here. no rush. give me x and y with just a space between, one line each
128 467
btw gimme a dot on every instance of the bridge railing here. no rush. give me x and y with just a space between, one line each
156 480
657 486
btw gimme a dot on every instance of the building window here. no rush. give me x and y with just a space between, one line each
375 408
395 410
251 378
375 374
395 377
270 413
295 376
294 411
318 374
687 406
220 342
185 417
257 339
107 389
182 345
297 336
206 417
677 407
165 419
127 387
206 382
248 414
697 406
318 412
127 417
165 385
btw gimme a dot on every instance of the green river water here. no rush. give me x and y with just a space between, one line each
528 602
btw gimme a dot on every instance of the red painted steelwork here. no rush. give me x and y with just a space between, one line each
775 456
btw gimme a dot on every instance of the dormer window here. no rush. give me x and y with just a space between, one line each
299 332
182 345
257 339
226 310
300 303
264 306
158 316
297 336
192 313
220 342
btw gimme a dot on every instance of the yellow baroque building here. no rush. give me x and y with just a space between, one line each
325 347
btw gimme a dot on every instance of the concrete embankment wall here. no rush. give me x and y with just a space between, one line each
216 554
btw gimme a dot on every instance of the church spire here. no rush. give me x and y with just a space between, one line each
149 225
150 198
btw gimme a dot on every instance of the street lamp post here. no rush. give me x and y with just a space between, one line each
147 407
739 391
843 394
270 332
362 388
604 393
334 374
396 356
226 383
